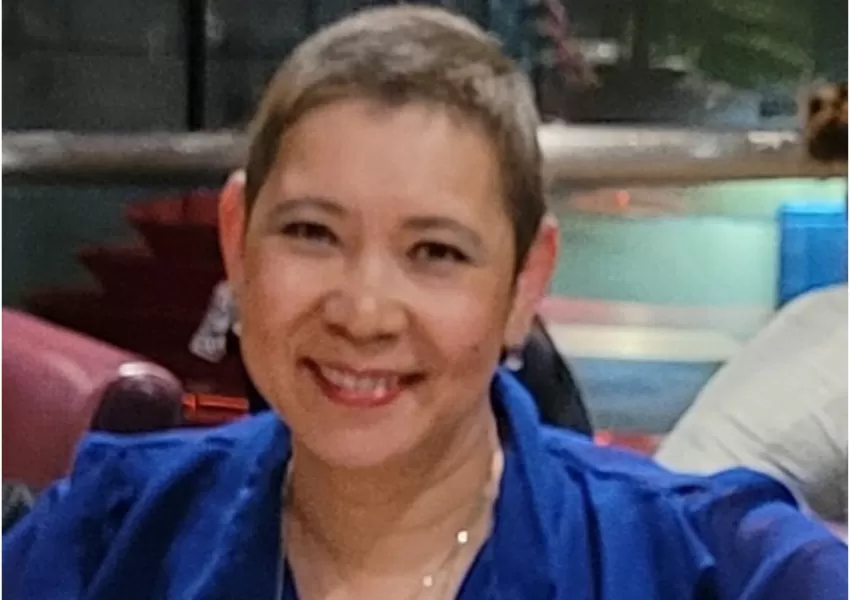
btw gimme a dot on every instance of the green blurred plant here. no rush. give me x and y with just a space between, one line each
745 43
753 42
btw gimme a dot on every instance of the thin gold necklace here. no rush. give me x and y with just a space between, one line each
429 582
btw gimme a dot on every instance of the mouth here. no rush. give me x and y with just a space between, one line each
360 388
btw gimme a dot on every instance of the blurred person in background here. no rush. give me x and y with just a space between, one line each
779 407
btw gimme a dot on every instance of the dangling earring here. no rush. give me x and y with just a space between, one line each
233 313
512 359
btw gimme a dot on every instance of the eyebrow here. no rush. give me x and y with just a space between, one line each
445 223
286 207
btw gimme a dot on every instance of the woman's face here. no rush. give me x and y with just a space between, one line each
375 280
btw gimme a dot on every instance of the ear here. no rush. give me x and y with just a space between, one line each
231 228
533 280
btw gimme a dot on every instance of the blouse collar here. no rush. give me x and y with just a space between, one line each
519 552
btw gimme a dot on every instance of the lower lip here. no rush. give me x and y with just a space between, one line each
352 398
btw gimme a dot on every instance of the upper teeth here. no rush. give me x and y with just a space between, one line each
358 383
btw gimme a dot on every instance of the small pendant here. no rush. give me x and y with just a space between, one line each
428 581
462 537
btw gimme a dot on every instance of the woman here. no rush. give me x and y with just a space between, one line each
387 245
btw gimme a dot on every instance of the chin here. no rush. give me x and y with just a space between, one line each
359 448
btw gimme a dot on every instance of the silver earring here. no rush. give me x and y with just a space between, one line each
513 358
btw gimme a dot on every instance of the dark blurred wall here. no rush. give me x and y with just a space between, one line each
830 39
93 65
246 46
121 65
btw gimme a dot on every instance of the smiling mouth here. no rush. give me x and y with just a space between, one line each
360 388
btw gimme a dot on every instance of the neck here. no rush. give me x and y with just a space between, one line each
396 517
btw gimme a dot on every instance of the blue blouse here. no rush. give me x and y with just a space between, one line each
194 515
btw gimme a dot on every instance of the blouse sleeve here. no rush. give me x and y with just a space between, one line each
55 549
763 546
25 536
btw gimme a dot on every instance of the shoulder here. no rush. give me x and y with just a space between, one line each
152 454
607 467
744 527
143 495
620 481
112 470
814 320
832 300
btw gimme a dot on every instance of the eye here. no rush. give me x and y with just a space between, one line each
310 232
815 106
437 252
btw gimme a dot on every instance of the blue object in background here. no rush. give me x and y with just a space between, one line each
812 247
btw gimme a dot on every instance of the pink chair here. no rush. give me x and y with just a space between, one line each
57 384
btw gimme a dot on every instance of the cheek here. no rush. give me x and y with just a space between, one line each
468 327
276 295
276 288
467 338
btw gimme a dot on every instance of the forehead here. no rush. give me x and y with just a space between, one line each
358 151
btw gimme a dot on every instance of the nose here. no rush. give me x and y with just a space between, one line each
365 306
